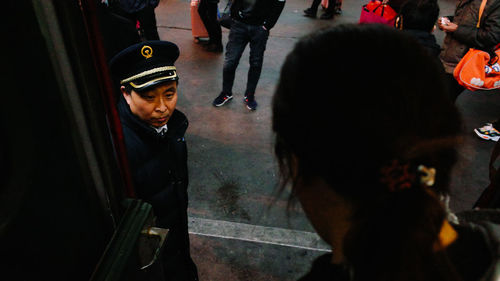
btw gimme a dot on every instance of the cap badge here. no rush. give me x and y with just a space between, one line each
147 51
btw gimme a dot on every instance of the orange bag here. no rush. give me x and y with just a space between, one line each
477 70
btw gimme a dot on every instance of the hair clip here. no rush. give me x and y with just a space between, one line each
397 176
429 175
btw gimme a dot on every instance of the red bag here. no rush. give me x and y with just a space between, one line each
377 12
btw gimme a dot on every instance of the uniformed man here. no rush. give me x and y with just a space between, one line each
153 131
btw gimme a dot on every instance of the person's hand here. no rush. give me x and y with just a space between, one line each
451 27
443 21
446 25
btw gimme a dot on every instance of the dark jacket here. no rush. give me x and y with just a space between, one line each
427 40
158 164
257 12
457 43
475 255
118 32
132 6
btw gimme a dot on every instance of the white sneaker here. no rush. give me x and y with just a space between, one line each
488 132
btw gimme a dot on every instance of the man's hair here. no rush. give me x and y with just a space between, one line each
419 14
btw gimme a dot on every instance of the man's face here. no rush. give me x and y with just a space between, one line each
154 106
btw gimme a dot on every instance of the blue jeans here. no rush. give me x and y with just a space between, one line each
239 36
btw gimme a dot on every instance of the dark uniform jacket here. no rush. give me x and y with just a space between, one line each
457 43
427 40
132 6
257 12
158 164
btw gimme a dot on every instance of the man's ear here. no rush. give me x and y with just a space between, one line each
126 95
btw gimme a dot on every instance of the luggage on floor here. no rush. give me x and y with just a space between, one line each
197 27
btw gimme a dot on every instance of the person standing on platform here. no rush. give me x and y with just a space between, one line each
334 8
142 11
153 131
118 31
208 14
252 21
418 18
462 34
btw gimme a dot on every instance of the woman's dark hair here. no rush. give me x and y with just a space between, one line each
350 101
419 14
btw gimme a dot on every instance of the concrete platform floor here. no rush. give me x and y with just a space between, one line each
232 169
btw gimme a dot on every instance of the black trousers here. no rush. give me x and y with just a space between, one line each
240 35
208 14
456 89
331 5
147 20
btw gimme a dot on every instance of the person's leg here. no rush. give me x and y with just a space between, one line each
258 43
214 29
454 88
237 40
337 8
147 19
315 5
329 12
496 124
203 12
311 11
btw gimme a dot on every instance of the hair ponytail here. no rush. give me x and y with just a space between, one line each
393 237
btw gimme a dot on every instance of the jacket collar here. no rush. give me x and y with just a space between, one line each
177 124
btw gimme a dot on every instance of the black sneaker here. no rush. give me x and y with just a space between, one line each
326 16
337 9
214 48
250 102
221 99
310 13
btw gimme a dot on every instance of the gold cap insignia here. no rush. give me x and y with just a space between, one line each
147 51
